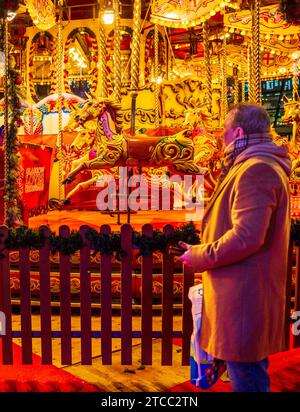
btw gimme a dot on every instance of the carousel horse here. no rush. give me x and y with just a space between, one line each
109 146
292 116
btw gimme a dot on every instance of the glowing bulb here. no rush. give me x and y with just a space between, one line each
108 16
282 70
296 55
11 15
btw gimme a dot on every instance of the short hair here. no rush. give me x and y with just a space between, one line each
250 117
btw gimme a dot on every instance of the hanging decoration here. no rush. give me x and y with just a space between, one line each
42 13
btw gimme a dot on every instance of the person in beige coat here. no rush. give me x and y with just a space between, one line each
244 250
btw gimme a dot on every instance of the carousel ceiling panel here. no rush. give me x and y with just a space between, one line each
185 13
272 22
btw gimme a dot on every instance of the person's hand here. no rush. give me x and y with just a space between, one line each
185 258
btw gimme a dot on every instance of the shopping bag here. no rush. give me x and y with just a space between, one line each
205 370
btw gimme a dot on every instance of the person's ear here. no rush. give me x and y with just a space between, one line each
239 132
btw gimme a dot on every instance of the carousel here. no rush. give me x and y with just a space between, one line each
111 121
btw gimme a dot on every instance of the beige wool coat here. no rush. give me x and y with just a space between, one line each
243 257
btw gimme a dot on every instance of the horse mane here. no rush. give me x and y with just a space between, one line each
114 110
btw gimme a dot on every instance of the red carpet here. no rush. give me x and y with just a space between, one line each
284 371
37 377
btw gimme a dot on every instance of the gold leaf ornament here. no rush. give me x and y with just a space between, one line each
42 13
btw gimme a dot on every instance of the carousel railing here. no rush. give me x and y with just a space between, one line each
106 334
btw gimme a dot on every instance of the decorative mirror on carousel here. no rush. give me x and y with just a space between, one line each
81 56
41 74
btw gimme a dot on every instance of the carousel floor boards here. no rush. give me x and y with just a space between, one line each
284 367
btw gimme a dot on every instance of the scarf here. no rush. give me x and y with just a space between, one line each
237 147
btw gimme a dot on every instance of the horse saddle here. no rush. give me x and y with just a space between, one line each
140 146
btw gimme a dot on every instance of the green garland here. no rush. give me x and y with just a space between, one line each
11 190
23 237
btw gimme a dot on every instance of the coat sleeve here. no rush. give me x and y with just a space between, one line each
255 198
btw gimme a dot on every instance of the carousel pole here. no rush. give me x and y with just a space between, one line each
295 90
102 61
208 68
6 118
296 76
117 53
256 52
60 80
250 74
236 83
136 38
157 88
243 76
224 81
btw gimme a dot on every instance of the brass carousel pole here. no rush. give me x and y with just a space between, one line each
295 91
60 80
243 75
250 74
117 53
157 88
6 116
295 76
102 61
208 68
256 52
135 64
236 83
224 81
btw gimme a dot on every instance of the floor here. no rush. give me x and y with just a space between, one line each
116 377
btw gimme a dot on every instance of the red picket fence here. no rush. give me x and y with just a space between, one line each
146 334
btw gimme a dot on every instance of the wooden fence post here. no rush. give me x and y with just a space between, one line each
106 304
85 300
126 295
296 338
25 306
65 302
45 300
5 299
167 304
147 271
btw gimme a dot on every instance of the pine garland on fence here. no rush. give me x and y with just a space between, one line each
23 237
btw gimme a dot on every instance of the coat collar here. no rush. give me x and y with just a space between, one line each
226 180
